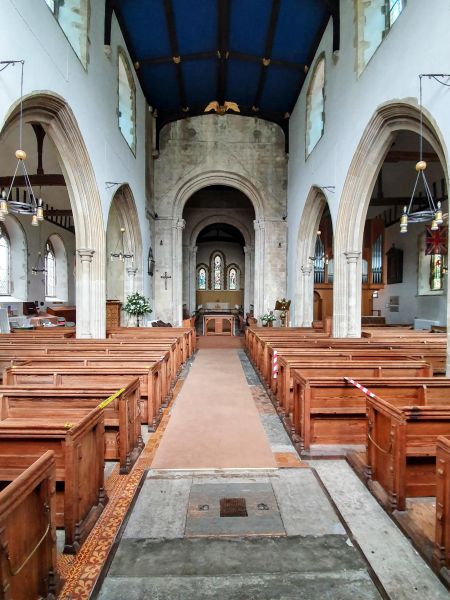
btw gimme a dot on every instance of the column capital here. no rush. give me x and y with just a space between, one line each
193 249
259 224
306 270
85 254
249 249
132 271
352 256
178 224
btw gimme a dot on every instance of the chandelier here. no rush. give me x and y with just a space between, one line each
30 205
434 211
119 251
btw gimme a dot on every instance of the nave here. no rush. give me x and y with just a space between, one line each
311 531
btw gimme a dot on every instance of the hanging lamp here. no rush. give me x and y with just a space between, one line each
434 211
31 205
119 251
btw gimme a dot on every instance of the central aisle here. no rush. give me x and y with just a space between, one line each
214 423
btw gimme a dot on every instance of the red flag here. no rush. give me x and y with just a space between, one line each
436 241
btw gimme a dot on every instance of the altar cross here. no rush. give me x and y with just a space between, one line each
166 277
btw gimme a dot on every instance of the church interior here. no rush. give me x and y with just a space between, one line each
224 304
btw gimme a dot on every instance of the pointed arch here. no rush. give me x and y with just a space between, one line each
315 204
355 198
60 124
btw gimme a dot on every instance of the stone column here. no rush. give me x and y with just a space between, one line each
177 271
247 259
131 271
192 278
353 314
260 231
84 292
307 298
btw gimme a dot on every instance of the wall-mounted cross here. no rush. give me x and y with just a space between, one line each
166 277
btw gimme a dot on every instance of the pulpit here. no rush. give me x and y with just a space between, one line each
113 308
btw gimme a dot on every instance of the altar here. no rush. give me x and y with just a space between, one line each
218 324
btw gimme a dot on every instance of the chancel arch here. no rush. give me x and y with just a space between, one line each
371 153
219 222
59 123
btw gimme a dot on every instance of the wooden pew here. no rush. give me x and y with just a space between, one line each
329 410
79 457
123 439
115 376
441 551
399 365
27 533
401 449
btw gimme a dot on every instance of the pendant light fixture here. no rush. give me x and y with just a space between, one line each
434 211
119 251
322 257
30 204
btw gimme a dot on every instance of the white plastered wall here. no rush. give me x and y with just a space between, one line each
52 68
391 76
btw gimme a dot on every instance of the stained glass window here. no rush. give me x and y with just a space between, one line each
218 272
232 279
436 272
201 284
5 265
127 102
50 271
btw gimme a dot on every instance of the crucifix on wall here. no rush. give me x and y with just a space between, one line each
166 277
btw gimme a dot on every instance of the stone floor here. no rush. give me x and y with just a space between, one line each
312 532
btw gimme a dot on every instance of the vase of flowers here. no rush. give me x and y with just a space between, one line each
268 319
137 305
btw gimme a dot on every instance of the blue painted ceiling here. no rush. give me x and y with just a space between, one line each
256 53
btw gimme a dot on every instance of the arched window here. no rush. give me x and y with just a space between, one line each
374 20
127 101
218 268
73 18
315 107
201 278
233 277
5 264
50 271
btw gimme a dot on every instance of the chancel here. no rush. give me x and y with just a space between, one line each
224 299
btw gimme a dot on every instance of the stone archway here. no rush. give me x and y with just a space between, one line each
248 251
124 208
355 198
309 224
170 233
59 122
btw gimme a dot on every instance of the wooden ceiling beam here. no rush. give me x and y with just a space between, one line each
35 180
267 51
171 29
394 156
223 34
159 60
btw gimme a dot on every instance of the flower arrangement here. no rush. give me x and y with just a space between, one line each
268 318
137 305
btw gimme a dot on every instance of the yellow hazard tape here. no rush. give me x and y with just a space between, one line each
111 398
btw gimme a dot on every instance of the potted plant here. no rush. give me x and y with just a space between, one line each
137 305
268 319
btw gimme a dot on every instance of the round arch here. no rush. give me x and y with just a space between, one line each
355 198
184 192
59 122
225 178
124 205
221 218
315 204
